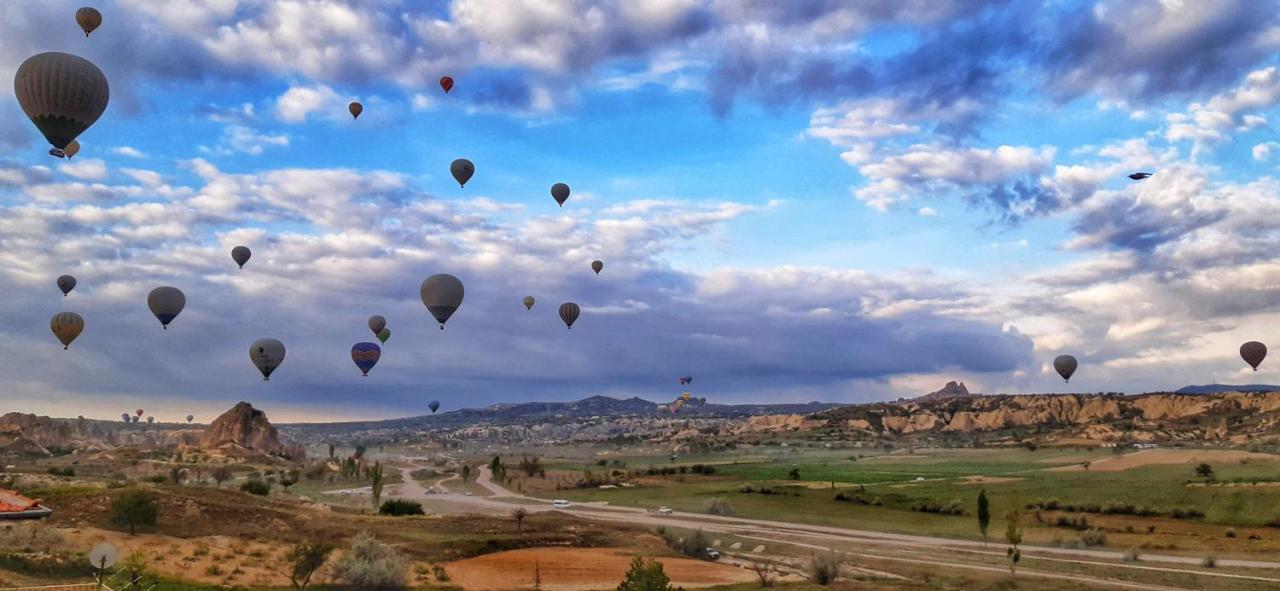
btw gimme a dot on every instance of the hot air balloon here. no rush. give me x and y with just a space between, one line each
266 355
442 294
377 323
66 326
356 109
686 396
240 255
569 313
126 417
166 303
89 19
462 169
73 148
686 380
366 355
560 192
190 418
434 405
66 283
139 412
62 94
384 334
1065 365
597 266
1253 353
135 419
446 83
1137 176
151 420
528 302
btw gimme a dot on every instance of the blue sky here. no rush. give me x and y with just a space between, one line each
794 201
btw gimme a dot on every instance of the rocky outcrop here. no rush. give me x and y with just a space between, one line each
28 434
1111 417
245 429
768 423
953 389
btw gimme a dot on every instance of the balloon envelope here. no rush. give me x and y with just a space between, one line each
434 405
266 355
166 303
569 313
446 83
66 326
66 283
462 169
441 294
356 109
62 94
1253 353
597 266
686 380
89 19
366 355
1065 366
240 255
190 418
560 192
528 302
384 334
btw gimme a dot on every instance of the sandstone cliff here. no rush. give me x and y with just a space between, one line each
245 430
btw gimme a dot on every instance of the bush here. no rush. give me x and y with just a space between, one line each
256 487
370 564
690 546
68 471
646 575
398 507
719 506
1132 555
134 508
1231 532
952 507
1209 561
825 568
1094 537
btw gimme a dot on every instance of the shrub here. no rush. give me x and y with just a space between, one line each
1132 555
398 507
134 508
256 487
1094 537
370 564
68 471
305 559
1186 513
719 506
1231 532
825 567
645 575
1209 561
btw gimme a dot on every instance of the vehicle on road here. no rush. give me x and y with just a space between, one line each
712 553
561 504
664 510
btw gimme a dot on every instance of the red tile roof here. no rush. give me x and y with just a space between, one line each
12 502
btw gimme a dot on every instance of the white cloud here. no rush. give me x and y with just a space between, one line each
297 103
88 169
129 152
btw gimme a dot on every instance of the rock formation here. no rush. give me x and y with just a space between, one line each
953 389
245 430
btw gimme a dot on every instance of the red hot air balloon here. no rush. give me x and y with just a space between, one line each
446 83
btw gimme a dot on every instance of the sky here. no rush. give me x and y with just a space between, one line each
794 201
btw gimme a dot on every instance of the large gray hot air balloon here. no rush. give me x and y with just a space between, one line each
1253 353
62 94
89 19
1065 365
377 323
462 169
528 302
66 283
434 405
66 326
166 303
560 192
266 355
597 266
569 313
240 255
442 294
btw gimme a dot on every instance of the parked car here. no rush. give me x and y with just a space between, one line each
712 554
561 504
664 510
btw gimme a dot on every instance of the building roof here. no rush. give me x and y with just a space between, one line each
12 502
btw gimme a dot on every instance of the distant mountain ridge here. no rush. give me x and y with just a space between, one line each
1220 388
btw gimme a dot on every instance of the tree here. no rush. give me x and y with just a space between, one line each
305 559
370 564
289 479
519 514
495 466
397 507
465 472
221 474
375 483
331 451
646 575
794 474
765 571
261 488
1013 534
1204 471
825 568
984 514
532 466
134 508
177 475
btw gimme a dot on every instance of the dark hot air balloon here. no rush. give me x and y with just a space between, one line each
62 94
597 266
569 313
66 283
89 19
266 355
1065 366
240 255
446 83
126 417
139 412
528 302
560 192
686 380
1253 353
190 418
434 405
356 109
377 323
462 169
166 303
442 295
66 326
366 355
1137 176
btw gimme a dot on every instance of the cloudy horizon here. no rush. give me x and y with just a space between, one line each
832 201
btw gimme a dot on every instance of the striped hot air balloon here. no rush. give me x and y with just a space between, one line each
1065 366
366 355
569 313
1253 353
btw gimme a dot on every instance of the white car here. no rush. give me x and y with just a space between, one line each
561 504
664 510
